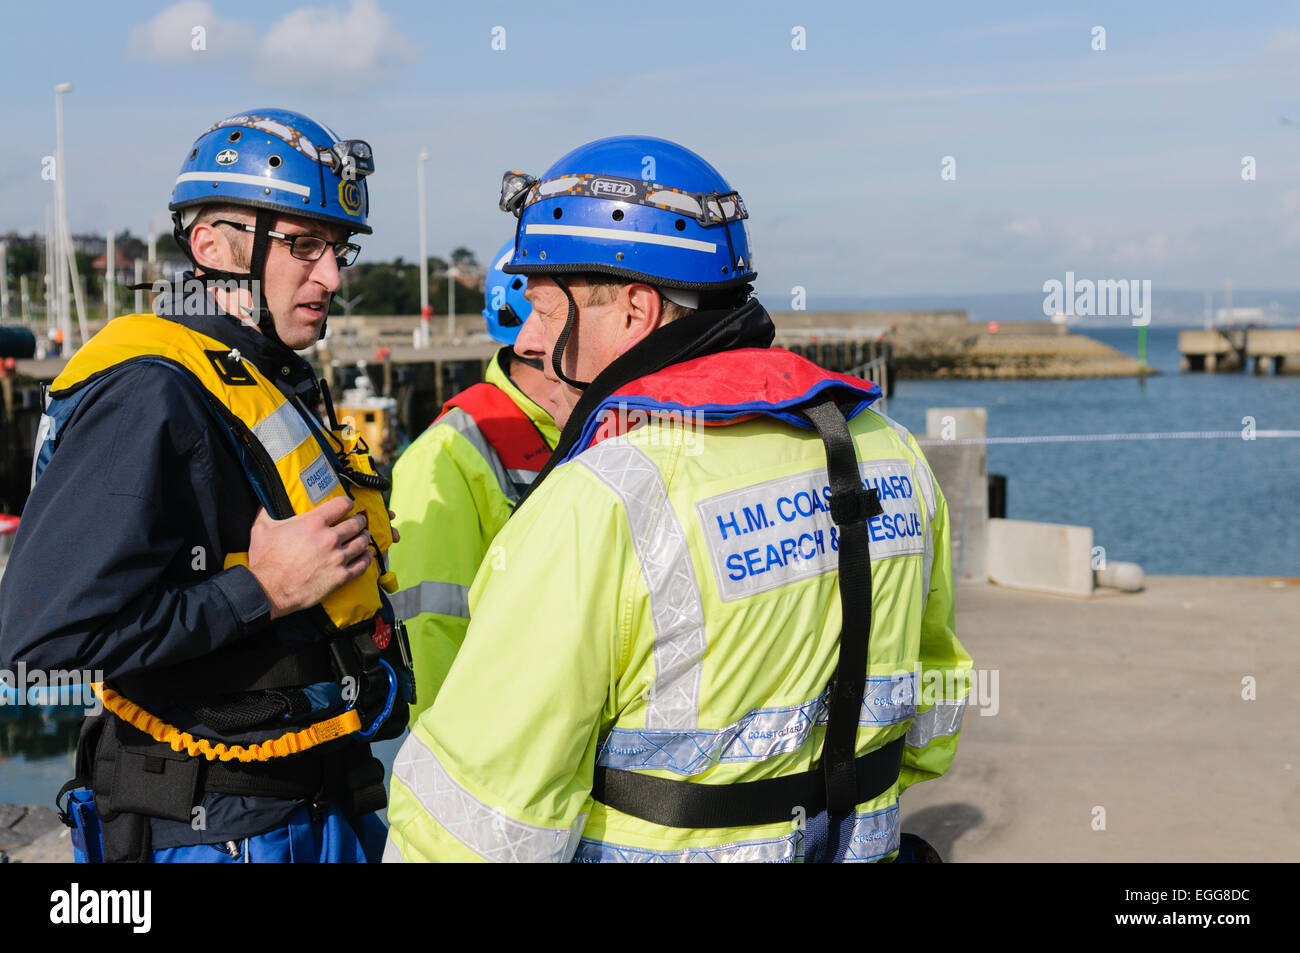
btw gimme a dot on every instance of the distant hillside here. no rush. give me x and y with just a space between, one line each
1183 308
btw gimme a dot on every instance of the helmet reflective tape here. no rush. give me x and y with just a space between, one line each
243 179
622 235
708 209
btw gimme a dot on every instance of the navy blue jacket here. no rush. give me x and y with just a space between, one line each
117 565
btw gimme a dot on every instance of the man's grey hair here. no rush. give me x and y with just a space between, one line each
602 292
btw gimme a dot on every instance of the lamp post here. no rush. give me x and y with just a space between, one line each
452 274
424 252
110 277
4 282
63 319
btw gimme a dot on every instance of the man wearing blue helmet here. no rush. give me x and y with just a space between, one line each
457 484
720 627
207 548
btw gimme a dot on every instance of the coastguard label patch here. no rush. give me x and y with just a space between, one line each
771 534
318 479
350 196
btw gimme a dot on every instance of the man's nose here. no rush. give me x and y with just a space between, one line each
531 342
326 271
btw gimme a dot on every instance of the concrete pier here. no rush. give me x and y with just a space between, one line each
1265 350
1131 704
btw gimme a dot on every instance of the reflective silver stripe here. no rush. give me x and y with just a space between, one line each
281 431
523 477
942 720
391 853
42 434
487 831
895 426
461 422
925 480
446 598
242 178
761 734
660 544
874 836
623 235
775 850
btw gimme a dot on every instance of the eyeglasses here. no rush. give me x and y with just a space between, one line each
304 247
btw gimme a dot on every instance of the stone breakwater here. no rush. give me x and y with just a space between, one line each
31 834
945 344
980 355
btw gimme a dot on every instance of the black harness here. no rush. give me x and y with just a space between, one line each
843 780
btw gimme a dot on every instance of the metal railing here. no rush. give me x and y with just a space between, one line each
875 370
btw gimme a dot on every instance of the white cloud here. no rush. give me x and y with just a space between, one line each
329 48
317 47
188 32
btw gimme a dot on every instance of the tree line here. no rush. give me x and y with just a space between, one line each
375 287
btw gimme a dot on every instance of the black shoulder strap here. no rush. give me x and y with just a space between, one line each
843 781
851 508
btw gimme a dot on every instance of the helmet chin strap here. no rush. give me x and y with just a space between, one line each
256 272
557 356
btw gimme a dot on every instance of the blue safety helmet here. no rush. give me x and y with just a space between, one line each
507 309
282 161
274 161
635 207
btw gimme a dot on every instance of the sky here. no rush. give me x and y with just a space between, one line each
835 121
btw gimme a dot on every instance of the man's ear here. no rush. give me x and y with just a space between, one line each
210 246
642 310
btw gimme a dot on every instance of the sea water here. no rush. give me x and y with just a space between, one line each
1210 506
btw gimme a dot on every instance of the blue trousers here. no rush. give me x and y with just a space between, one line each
331 840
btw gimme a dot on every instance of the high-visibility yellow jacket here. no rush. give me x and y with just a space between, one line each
453 490
667 602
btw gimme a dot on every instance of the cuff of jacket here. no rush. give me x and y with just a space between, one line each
246 597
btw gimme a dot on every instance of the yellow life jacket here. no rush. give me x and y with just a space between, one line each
294 465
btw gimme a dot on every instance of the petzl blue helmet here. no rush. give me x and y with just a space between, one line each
635 207
507 308
282 161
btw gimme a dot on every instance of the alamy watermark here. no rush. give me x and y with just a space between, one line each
654 427
1105 297
41 687
76 905
191 296
977 688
